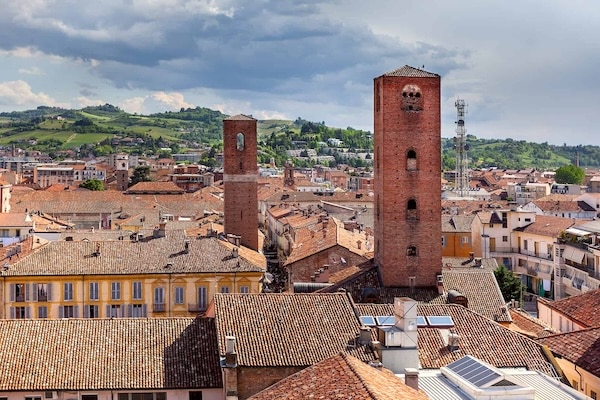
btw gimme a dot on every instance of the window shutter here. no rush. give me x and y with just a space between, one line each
129 310
13 290
27 289
61 312
108 311
75 311
34 292
144 310
49 291
96 312
27 312
12 313
86 312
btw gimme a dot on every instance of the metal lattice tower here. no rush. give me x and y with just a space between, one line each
461 182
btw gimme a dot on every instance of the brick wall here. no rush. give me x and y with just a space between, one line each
404 126
302 270
253 380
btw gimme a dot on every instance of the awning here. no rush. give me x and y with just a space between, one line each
578 232
573 254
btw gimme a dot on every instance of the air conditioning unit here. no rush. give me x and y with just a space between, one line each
51 395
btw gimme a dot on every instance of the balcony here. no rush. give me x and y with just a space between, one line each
158 307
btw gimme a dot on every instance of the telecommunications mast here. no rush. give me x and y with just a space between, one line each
461 183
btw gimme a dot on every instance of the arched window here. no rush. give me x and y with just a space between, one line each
240 141
411 98
411 251
411 160
411 209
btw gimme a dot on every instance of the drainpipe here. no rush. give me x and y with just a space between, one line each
580 380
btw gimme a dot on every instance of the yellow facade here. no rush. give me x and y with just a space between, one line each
105 296
580 379
456 244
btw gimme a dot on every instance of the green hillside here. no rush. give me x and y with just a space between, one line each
105 129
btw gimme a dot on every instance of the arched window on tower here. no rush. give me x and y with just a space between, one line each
411 98
240 141
411 160
411 209
411 251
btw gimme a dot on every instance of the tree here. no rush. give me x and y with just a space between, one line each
140 174
569 174
510 285
92 184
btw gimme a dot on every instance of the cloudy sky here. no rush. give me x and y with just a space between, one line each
528 70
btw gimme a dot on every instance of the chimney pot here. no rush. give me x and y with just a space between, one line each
411 378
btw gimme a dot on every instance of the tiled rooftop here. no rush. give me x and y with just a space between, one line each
107 354
528 325
409 71
341 377
579 347
149 256
279 330
583 308
479 337
15 219
548 226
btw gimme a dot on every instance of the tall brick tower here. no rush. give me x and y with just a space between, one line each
240 179
122 171
407 166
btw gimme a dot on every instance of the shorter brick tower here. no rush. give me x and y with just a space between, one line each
122 171
240 175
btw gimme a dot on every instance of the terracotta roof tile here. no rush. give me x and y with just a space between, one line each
527 325
548 225
106 354
412 72
155 187
582 348
341 377
15 219
478 336
143 257
583 308
281 329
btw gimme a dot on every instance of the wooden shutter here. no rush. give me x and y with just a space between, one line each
129 310
27 289
75 311
27 312
108 311
12 313
49 287
34 292
13 291
86 312
144 310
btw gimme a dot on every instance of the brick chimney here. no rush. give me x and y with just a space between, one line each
229 364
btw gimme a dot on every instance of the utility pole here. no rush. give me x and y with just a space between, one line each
461 182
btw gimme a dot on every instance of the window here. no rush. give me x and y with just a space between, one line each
41 292
411 160
19 312
137 310
137 290
143 396
240 141
244 289
465 239
91 312
411 209
525 244
575 385
94 295
224 289
195 395
505 238
33 398
411 251
443 241
593 395
68 291
18 292
114 311
202 297
42 312
179 295
115 290
68 311
159 295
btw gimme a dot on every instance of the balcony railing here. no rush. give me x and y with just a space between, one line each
158 307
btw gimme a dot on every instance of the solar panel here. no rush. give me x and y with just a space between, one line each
421 321
367 320
475 372
385 320
438 321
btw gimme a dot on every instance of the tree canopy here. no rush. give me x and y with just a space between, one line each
510 285
92 184
140 174
569 174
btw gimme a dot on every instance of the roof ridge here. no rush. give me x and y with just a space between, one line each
363 382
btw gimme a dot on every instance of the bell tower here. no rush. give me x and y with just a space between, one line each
407 167
240 179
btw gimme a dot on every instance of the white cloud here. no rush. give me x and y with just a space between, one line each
82 101
20 93
31 71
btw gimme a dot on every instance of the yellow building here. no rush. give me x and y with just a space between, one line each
134 277
456 235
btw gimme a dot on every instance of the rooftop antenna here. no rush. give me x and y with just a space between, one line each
461 183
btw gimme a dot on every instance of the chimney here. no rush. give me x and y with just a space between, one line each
411 378
440 283
186 246
365 335
230 369
235 253
358 244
